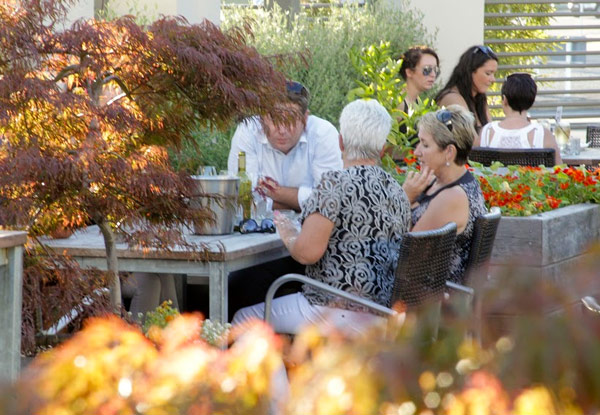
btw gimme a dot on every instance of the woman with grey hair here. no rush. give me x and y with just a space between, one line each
444 190
352 225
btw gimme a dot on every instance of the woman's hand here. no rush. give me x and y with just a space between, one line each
416 182
288 232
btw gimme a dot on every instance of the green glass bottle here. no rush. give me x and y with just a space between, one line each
245 192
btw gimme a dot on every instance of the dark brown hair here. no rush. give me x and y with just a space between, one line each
411 58
462 78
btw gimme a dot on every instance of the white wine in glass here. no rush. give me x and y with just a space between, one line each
562 131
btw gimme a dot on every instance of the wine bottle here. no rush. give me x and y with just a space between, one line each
245 192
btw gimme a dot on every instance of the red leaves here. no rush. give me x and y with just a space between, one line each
83 111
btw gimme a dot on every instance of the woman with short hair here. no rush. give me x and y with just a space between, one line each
444 190
515 130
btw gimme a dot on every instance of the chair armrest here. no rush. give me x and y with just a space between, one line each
461 288
335 291
591 303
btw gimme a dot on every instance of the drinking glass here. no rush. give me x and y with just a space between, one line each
207 171
562 133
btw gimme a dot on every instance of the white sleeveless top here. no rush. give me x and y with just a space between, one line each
517 138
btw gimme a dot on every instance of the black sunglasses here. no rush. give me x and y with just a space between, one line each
445 117
296 88
427 70
486 50
250 226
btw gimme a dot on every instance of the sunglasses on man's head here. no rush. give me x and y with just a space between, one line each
445 117
251 226
486 50
428 70
295 87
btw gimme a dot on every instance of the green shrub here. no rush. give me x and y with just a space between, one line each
326 44
378 78
211 148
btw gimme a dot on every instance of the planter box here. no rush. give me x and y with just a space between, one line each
550 242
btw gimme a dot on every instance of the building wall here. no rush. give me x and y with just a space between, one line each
193 10
459 25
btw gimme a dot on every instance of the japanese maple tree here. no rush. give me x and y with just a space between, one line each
87 111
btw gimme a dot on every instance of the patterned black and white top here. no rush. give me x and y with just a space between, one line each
462 246
370 212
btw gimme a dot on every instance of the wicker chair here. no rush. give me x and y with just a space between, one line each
482 242
593 135
423 265
509 156
484 234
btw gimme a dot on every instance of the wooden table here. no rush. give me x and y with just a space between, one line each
225 253
587 156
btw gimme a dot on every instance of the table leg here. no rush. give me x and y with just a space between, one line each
11 282
217 292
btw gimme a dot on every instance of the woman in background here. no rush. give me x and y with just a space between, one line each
469 82
420 68
515 130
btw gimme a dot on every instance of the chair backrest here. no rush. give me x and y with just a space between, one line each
516 156
593 135
423 265
482 242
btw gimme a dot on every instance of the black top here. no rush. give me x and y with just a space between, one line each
462 245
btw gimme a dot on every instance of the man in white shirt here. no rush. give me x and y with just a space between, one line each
286 160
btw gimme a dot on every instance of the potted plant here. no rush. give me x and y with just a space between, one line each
550 217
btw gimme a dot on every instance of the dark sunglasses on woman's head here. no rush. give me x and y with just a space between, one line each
250 226
445 117
486 50
428 70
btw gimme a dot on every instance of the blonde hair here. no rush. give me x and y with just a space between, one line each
463 131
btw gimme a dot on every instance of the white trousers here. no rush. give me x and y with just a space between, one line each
147 291
291 312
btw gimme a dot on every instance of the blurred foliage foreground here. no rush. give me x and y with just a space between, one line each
541 363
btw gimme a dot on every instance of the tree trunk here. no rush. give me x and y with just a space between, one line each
110 245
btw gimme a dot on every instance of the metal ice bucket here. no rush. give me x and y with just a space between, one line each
223 205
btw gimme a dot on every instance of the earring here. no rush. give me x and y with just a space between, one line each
447 164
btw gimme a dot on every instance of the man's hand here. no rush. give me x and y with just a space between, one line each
283 197
267 187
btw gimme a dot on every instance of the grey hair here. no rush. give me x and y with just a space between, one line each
461 136
364 126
